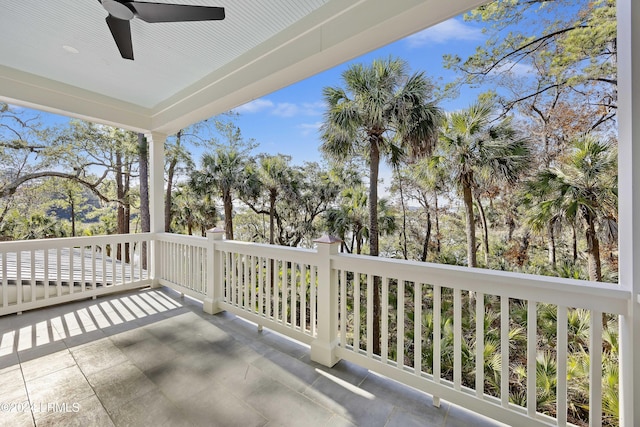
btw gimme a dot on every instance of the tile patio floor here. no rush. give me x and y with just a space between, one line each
150 358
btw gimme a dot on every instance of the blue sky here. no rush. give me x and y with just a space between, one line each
287 121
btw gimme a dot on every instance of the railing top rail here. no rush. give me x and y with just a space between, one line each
269 251
606 297
182 238
66 242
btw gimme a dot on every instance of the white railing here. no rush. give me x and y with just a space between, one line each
39 273
432 316
271 285
438 313
182 263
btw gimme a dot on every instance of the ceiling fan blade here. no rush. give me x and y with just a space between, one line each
121 32
163 12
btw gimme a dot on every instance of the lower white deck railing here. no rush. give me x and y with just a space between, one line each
39 273
523 349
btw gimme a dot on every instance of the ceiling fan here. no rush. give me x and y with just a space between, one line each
122 11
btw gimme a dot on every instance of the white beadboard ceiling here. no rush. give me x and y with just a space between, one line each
185 72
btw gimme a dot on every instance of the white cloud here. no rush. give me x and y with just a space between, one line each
451 30
308 128
281 109
514 69
254 106
285 109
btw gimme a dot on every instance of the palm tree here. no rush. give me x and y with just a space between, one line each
275 176
584 188
224 169
382 111
478 152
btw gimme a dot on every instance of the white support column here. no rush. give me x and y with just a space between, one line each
629 205
323 348
156 196
214 273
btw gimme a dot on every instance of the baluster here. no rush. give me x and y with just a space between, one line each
294 295
18 277
437 332
595 369
284 289
400 327
457 338
303 298
480 345
384 327
343 308
370 310
45 280
417 329
71 268
261 286
5 281
561 350
532 347
504 350
314 301
32 280
356 312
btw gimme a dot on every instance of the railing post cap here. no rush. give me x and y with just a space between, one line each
216 230
328 239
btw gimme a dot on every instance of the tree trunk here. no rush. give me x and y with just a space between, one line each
145 215
485 232
437 215
272 211
575 243
470 226
228 213
404 220
593 250
72 205
374 163
552 246
427 237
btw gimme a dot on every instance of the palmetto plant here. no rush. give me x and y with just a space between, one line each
223 170
381 112
582 189
478 151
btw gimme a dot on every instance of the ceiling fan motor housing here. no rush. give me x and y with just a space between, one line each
118 10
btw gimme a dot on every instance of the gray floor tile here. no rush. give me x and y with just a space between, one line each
407 399
350 402
460 417
215 406
150 409
47 364
87 412
120 384
97 356
64 387
283 406
16 419
401 418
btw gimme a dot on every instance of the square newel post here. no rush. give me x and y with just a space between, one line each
156 199
214 270
323 349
